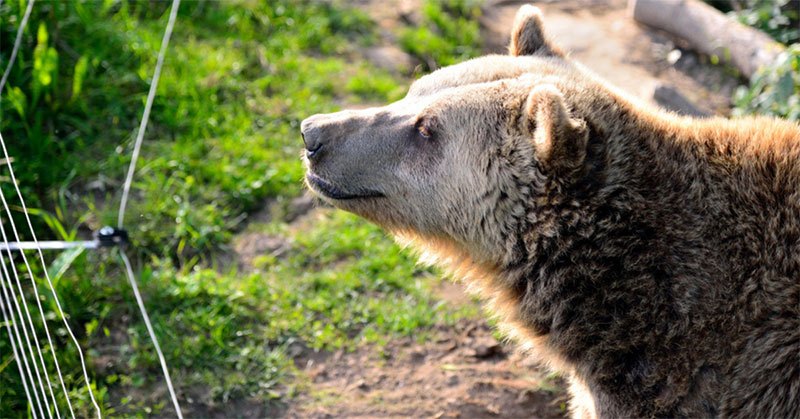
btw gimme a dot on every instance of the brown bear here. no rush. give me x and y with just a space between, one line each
652 259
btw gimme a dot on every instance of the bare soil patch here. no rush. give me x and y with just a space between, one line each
462 372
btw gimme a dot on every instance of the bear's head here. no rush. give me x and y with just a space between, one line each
459 161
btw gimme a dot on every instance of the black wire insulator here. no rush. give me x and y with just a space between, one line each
109 236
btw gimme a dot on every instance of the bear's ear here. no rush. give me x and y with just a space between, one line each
560 141
527 34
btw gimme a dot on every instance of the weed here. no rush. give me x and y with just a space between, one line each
774 90
238 79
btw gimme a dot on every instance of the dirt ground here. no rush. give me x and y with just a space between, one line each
463 371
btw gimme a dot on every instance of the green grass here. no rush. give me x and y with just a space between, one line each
227 334
222 143
223 134
447 33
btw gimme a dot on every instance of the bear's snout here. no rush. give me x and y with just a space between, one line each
310 130
342 163
321 132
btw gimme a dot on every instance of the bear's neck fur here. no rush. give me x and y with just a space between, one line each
654 243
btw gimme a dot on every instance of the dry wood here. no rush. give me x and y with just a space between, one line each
709 31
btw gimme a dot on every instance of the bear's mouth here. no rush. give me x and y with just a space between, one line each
329 190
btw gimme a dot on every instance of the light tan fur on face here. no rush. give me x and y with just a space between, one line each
652 259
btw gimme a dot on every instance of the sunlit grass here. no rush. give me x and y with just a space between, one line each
222 142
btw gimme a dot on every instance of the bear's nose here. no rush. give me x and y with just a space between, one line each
311 137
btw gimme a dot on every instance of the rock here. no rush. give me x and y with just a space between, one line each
449 345
686 61
295 349
526 396
492 409
418 355
453 380
362 385
486 348
673 56
671 99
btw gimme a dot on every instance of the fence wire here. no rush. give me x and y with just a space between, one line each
10 299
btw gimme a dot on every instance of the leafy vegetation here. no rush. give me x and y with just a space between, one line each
223 135
447 33
775 90
222 141
778 18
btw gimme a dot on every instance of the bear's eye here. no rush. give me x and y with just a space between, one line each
424 129
424 132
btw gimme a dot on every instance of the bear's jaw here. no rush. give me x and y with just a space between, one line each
333 193
491 251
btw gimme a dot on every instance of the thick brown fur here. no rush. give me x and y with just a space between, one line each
653 259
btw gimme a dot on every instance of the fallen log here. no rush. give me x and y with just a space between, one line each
709 31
